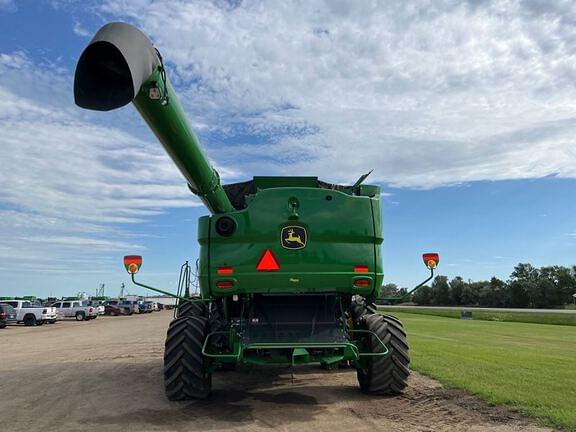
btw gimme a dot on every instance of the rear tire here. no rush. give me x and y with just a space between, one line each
360 307
80 316
29 320
387 375
192 309
185 375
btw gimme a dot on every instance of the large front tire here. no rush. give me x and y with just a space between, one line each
185 368
386 375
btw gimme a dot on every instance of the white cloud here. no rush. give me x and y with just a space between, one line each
71 186
80 30
426 93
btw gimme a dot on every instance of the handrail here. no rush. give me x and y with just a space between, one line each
238 353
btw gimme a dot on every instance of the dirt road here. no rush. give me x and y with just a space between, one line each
106 375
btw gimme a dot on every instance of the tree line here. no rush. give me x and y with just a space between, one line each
528 286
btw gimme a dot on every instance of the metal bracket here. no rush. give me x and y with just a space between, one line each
169 293
407 295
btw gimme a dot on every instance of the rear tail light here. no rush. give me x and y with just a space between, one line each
2 315
361 269
225 284
226 270
362 283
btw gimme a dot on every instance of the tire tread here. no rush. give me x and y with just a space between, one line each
386 375
185 376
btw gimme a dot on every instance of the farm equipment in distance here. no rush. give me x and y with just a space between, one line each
289 267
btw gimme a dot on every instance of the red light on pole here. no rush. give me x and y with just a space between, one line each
132 263
431 260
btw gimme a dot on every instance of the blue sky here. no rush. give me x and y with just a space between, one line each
465 111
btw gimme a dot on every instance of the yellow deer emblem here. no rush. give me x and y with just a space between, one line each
294 237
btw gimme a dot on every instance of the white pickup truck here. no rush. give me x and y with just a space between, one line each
78 309
32 314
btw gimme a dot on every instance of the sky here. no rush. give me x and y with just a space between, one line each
466 112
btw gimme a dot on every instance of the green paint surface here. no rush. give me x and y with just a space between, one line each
531 367
340 235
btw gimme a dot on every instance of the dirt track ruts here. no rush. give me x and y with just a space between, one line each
106 375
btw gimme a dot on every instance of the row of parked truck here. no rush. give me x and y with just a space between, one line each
34 312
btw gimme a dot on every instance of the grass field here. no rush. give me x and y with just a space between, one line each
525 317
529 366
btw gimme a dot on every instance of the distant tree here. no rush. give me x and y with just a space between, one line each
547 293
469 295
389 289
493 293
524 271
566 284
440 291
524 285
528 286
423 296
518 293
456 290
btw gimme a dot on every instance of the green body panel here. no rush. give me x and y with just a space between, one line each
343 232
204 258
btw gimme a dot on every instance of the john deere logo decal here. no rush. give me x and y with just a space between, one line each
293 237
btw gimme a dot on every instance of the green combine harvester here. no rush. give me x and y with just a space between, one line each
289 267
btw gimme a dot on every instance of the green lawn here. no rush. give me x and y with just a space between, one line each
526 317
529 366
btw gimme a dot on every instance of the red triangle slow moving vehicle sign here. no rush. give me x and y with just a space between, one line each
268 262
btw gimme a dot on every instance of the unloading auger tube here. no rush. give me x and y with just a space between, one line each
119 66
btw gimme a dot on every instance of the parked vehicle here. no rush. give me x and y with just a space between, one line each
78 309
99 305
149 307
115 310
132 304
7 315
31 313
141 307
125 309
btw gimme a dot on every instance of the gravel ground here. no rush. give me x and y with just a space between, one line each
106 375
